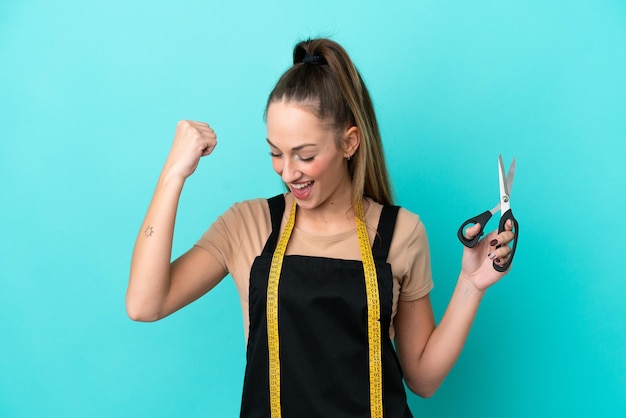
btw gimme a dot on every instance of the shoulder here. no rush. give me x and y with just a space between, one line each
238 235
409 256
242 219
409 233
407 222
253 209
409 243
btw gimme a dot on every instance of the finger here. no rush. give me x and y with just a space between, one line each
205 128
207 132
503 238
195 123
208 149
499 253
503 252
202 128
501 261
472 231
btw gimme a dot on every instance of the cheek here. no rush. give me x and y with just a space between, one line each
317 169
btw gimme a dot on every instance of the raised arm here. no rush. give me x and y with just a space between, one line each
428 353
156 286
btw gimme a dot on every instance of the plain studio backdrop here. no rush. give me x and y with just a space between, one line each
91 92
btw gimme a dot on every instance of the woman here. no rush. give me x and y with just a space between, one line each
329 273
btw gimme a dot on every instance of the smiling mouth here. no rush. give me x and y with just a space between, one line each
301 185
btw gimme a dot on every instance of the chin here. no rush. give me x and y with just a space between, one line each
306 204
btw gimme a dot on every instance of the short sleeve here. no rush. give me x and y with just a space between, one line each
238 235
411 257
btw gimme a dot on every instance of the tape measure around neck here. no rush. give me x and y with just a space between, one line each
373 315
272 314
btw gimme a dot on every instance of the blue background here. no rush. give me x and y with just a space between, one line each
90 95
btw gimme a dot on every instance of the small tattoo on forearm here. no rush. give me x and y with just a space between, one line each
148 231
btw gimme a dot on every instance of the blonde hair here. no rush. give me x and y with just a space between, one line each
324 79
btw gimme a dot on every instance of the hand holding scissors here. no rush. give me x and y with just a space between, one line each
504 206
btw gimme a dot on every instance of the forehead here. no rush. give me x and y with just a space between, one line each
292 118
287 114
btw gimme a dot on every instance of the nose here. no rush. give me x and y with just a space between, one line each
290 172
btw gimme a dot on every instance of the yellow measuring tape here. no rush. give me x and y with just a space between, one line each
373 315
272 313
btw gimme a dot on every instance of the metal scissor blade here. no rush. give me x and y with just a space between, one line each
495 209
504 187
509 177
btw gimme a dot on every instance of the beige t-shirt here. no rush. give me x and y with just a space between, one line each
238 236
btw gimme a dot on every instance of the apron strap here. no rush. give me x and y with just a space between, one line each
386 225
277 209
382 242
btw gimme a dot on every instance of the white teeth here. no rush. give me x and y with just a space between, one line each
301 186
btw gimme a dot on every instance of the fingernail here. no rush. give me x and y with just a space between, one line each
493 242
497 260
491 255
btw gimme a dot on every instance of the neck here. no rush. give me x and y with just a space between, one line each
334 215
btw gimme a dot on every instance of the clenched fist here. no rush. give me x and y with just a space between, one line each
192 141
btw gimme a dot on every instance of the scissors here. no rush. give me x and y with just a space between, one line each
504 206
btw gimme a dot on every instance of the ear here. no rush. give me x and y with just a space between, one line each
351 141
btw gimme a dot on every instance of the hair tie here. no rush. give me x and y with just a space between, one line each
313 59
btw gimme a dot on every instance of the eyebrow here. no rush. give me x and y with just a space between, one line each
296 148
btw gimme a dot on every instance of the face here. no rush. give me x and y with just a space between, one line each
305 154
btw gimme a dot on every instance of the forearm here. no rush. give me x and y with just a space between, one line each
446 341
149 280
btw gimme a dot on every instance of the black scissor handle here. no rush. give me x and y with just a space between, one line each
505 217
481 219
